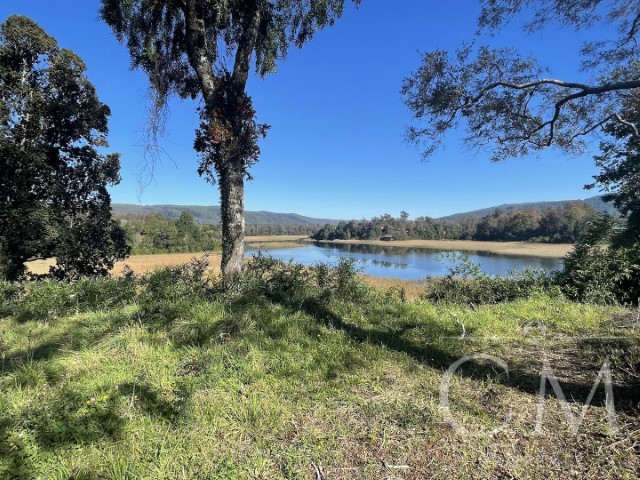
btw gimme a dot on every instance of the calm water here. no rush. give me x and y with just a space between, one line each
403 263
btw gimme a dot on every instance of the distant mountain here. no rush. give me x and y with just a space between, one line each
596 202
210 215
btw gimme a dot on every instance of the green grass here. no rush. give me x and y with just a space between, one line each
219 388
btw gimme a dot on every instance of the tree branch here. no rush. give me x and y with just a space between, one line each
585 89
197 49
246 45
619 118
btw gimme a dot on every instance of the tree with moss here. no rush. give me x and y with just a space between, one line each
204 49
53 189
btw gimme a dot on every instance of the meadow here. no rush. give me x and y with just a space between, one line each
307 374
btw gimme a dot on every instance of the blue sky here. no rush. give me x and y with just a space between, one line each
336 147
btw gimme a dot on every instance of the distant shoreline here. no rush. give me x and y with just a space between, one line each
149 262
545 250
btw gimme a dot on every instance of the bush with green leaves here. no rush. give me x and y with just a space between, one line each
163 292
105 293
466 284
292 282
599 272
9 293
49 299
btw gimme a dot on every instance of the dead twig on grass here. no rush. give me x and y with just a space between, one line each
319 474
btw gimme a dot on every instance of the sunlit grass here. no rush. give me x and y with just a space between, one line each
253 388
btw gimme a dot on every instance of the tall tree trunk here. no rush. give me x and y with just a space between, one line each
232 211
231 173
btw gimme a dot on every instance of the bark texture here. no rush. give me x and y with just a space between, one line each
232 171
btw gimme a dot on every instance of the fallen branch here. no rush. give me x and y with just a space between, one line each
319 474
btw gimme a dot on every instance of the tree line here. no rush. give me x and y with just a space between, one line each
551 225
281 229
156 234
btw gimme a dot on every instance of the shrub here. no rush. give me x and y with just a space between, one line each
294 283
490 290
48 299
595 272
466 284
169 292
104 293
9 294
45 300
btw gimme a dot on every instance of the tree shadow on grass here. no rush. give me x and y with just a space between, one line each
77 337
67 418
71 413
526 378
166 405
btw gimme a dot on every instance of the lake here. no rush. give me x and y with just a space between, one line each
400 262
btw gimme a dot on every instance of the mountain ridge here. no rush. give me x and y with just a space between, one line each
210 214
595 201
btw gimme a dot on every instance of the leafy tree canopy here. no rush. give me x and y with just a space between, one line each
53 190
619 164
510 104
204 49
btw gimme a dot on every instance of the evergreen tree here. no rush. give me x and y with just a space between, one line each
53 190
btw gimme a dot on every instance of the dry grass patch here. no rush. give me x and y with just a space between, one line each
147 263
410 290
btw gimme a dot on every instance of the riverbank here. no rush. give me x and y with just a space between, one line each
146 263
546 250
141 264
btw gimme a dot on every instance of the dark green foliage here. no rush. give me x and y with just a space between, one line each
553 225
53 190
294 283
620 170
465 284
597 271
155 234
605 265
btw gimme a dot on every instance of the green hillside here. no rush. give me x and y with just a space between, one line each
210 214
596 202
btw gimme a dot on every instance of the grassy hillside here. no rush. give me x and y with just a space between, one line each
596 202
210 215
159 378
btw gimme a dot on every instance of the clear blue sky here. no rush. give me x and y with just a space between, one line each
336 147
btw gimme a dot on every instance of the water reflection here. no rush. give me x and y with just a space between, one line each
402 262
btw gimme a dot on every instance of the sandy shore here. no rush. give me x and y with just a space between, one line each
547 250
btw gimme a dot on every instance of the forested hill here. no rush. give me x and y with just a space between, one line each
210 215
596 202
